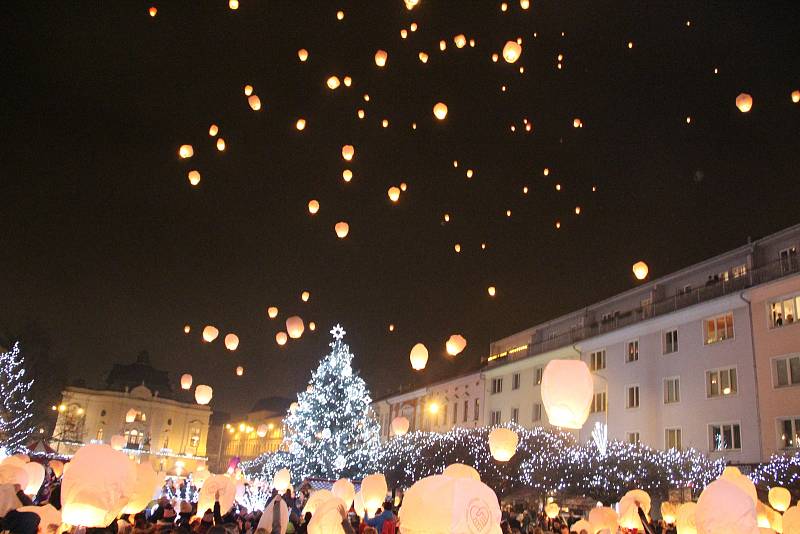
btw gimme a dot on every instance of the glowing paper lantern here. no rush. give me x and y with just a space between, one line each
304 296
440 111
326 519
380 58
233 4
669 512
460 40
210 333
187 329
791 520
734 476
255 102
315 500
551 510
313 206
293 407
345 490
194 177
142 491
333 82
525 4
403 186
423 57
511 51
796 96
97 486
186 151
581 524
342 229
419 357
57 466
186 381
262 430
282 480
684 520
491 290
117 442
441 504
394 193
640 270
348 152
239 371
373 492
567 392
213 484
780 498
272 312
457 248
213 130
347 175
603 518
14 474
281 338
231 342
312 326
295 327
723 508
744 102
461 471
301 124
340 15
455 344
153 11
503 444
203 394
248 90
302 54
400 425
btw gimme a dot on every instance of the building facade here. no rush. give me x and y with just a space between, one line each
706 357
157 427
439 407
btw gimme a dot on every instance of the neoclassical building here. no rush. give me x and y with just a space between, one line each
158 424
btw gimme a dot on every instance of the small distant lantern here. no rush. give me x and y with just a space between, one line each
221 144
194 177
512 51
213 130
304 296
302 54
340 15
348 152
380 58
640 270
440 111
262 430
281 338
744 102
460 40
313 206
503 444
255 102
203 394
248 90
551 510
300 124
210 333
153 11
400 425
312 326
342 229
186 381
796 96
347 175
239 370
231 342
186 151
492 291
186 329
394 193
419 357
272 312
423 57
333 82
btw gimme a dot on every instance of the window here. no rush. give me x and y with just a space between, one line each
670 342
739 271
194 435
466 410
455 413
537 376
597 360
632 437
788 259
789 433
515 381
686 289
102 413
632 351
783 311
632 397
672 438
477 410
497 385
787 371
133 439
718 328
443 419
537 412
724 437
514 415
721 382
495 418
100 433
599 403
672 390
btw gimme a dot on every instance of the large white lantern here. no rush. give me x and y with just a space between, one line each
48 514
603 518
567 391
231 342
203 394
13 474
551 510
210 333
295 327
419 357
511 51
503 444
35 473
684 520
724 508
440 504
629 511
282 480
373 492
315 500
461 471
455 344
743 482
791 520
780 498
345 490
143 489
326 519
96 487
400 425
213 484
186 381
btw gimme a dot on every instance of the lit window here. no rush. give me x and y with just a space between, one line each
718 328
724 437
783 311
599 403
632 351
721 382
632 438
632 397
739 271
537 376
477 413
789 433
672 390
466 410
787 371
670 342
514 415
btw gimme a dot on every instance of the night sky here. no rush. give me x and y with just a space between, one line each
107 246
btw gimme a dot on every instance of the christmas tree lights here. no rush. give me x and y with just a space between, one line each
15 408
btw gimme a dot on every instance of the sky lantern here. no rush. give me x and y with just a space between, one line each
313 206
231 342
419 357
567 392
440 110
239 370
312 326
461 471
186 381
187 329
511 51
403 186
640 270
685 518
723 508
780 498
411 4
186 151
35 473
380 58
413 27
255 102
391 328
295 326
669 512
385 123
300 124
210 333
305 295
403 33
153 11
423 57
272 311
342 229
492 291
346 491
333 82
744 102
340 15
262 430
524 4
455 344
281 338
347 175
302 54
394 193
460 40
551 510
796 96
142 490
400 425
457 248
348 152
233 4
577 123
503 444
194 177
248 90
629 511
213 130
221 144
603 518
373 492
203 394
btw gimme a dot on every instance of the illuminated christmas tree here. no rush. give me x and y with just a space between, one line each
331 431
15 408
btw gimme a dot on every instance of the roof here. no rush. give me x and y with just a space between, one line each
278 405
127 376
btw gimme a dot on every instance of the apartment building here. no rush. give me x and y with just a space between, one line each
706 357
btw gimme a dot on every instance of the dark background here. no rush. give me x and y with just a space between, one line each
107 250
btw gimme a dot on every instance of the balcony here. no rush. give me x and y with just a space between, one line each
760 275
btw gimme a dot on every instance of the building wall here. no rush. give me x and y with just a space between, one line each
776 403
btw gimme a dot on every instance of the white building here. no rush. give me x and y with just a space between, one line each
674 359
